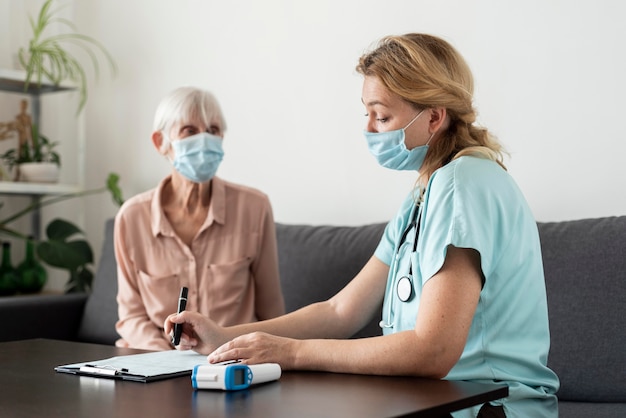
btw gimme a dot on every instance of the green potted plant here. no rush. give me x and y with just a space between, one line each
35 160
47 58
62 248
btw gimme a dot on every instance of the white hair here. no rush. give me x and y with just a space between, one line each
183 104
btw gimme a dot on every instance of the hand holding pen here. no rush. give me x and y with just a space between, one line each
182 304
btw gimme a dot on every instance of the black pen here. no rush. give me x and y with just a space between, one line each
182 303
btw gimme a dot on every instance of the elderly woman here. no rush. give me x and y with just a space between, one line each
194 230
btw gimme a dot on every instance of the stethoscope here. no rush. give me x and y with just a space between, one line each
404 285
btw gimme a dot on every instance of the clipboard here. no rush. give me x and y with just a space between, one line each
144 367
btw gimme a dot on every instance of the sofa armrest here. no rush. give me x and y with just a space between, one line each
41 316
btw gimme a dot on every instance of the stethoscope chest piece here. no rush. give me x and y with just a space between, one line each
404 288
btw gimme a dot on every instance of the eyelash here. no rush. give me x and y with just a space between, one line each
212 130
381 120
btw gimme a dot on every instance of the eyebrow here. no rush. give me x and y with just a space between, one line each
374 103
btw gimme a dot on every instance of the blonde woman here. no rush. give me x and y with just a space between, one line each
458 270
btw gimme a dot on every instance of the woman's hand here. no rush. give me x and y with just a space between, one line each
199 332
258 347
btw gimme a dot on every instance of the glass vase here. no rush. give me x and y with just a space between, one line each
32 275
8 273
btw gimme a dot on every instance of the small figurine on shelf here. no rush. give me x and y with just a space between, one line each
23 123
8 274
32 274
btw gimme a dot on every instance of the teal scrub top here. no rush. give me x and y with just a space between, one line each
474 203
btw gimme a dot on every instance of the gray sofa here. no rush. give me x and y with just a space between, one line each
585 267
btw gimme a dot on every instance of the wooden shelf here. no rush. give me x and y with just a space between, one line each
13 81
24 188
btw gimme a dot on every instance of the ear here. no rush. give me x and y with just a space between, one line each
438 119
157 141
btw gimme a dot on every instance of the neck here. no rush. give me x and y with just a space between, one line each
187 194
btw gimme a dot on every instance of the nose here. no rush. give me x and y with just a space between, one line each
370 126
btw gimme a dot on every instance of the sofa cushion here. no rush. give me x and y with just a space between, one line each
100 316
591 410
315 262
585 269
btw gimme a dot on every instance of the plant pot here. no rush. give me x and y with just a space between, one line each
39 172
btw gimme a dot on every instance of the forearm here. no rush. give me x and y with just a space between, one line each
318 320
134 324
403 353
431 349
143 334
339 317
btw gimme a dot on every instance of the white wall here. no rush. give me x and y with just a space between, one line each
549 77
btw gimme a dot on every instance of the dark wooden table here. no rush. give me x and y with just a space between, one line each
29 387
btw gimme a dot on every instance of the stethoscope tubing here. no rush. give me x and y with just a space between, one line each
415 223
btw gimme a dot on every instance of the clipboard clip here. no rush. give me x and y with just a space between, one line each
104 370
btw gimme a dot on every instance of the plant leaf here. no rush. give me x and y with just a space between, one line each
67 255
116 192
60 230
80 281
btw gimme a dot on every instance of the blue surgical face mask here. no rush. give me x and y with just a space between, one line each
390 150
197 157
